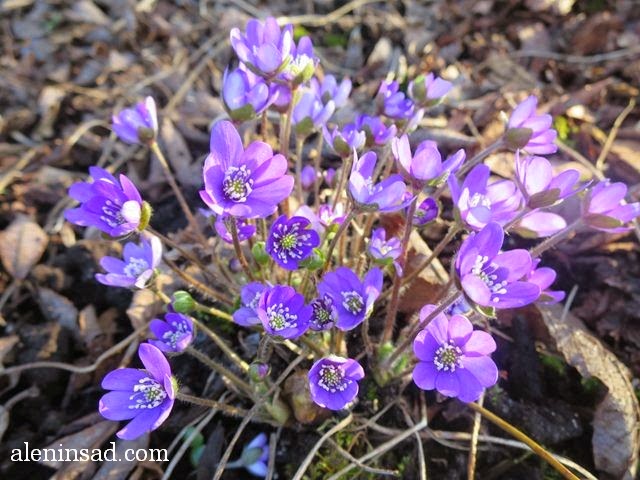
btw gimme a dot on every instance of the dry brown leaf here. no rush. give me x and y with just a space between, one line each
122 467
21 246
617 418
91 437
187 172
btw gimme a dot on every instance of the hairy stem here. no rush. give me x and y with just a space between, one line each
334 241
221 370
222 345
206 402
555 239
233 229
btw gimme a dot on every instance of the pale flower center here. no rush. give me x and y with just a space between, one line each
488 277
332 379
237 184
136 267
112 214
479 199
448 357
173 337
147 394
280 317
352 301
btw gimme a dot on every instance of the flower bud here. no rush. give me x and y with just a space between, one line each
183 302
516 138
260 253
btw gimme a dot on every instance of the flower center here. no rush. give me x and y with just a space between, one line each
479 199
112 214
173 337
332 379
136 267
486 273
236 184
289 241
448 357
299 64
280 318
147 393
322 313
352 301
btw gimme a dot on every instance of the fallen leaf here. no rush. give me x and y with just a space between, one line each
121 467
58 309
616 421
21 246
91 437
179 156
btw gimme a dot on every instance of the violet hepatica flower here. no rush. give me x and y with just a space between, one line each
425 167
394 103
329 89
539 186
376 131
479 203
345 140
308 177
603 207
324 315
539 224
136 268
544 278
353 299
453 358
385 196
310 113
263 47
244 228
243 183
138 124
113 206
247 315
255 456
143 396
490 278
245 94
333 381
383 251
173 334
291 241
302 65
530 131
426 212
283 312
428 90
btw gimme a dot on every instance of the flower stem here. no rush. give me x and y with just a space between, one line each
221 370
555 239
299 145
228 351
206 402
213 311
343 227
535 446
392 308
344 174
233 229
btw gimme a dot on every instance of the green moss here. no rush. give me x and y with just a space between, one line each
556 364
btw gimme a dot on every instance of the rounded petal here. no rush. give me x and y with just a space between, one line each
144 422
154 361
476 290
470 387
438 326
447 383
424 375
225 144
479 343
115 406
459 329
517 262
122 379
483 368
425 346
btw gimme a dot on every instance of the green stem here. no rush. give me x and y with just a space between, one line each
344 174
213 311
343 227
299 146
221 370
233 229
206 402
535 446
222 345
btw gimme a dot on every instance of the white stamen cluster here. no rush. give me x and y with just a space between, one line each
280 317
136 267
237 184
479 199
112 214
332 379
287 241
448 357
148 393
490 279
352 301
172 337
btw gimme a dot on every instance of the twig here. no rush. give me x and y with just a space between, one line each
221 370
244 366
323 20
613 133
581 159
563 57
207 402
473 449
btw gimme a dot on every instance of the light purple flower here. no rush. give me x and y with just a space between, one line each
247 315
539 224
309 113
263 47
453 358
428 90
244 228
245 94
490 278
143 396
394 103
329 89
425 167
255 456
604 208
325 218
302 65
283 312
291 241
344 141
136 268
544 278
353 299
385 196
530 131
333 381
479 203
377 133
426 212
138 124
308 177
243 183
539 186
324 315
113 206
383 251
173 334
330 176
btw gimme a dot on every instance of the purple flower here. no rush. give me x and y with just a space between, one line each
353 299
530 131
114 207
346 140
136 267
453 357
143 396
325 218
330 176
544 278
244 228
423 168
333 381
283 313
393 103
291 241
490 278
243 183
264 48
479 203
428 90
386 196
539 186
539 224
324 314
603 207
174 334
245 94
329 89
302 65
426 212
310 113
255 456
138 124
377 133
383 251
250 294
308 177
